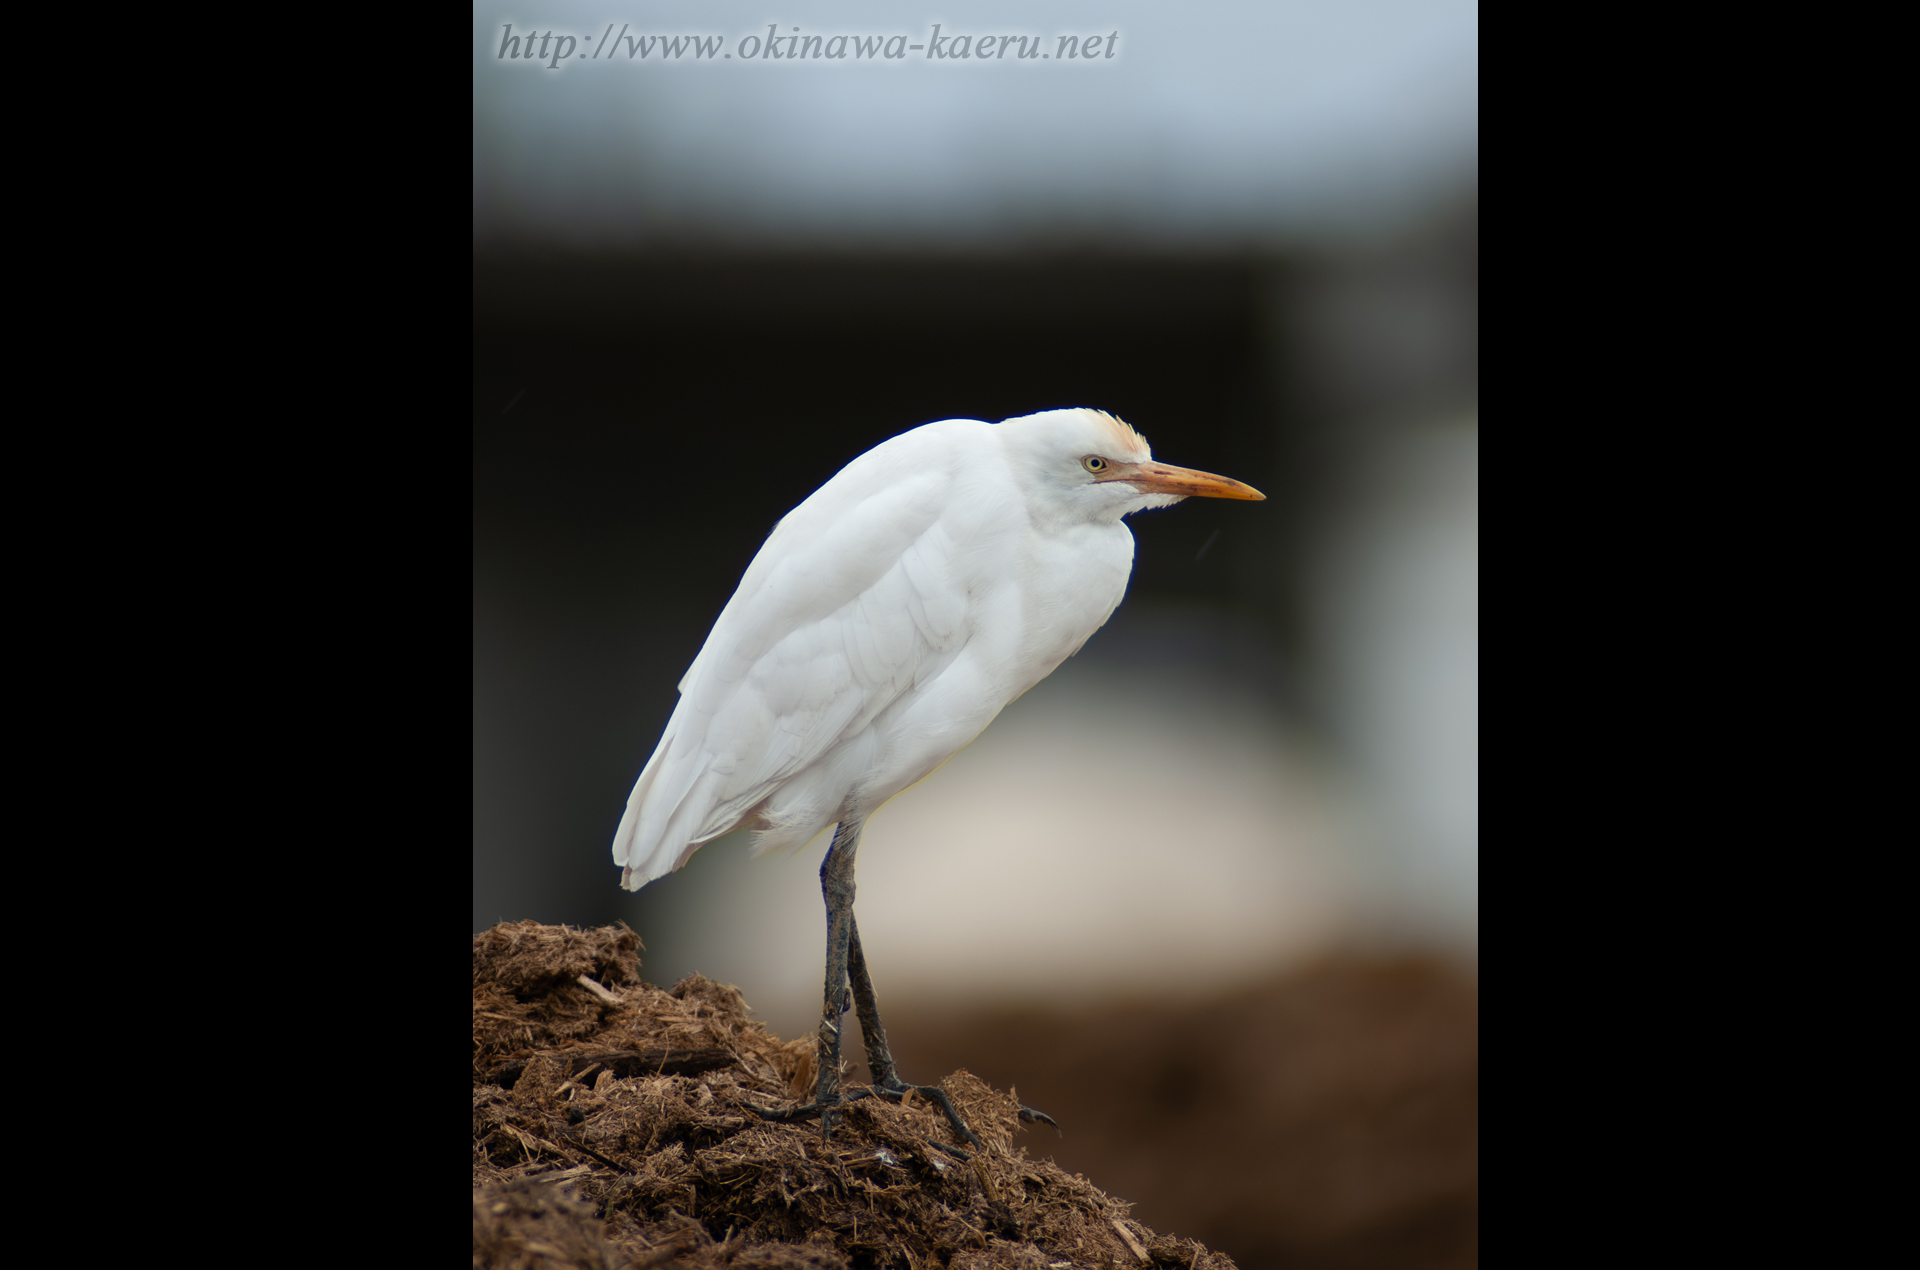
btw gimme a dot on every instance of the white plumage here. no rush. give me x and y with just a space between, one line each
889 618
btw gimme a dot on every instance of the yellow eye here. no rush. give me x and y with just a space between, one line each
1094 463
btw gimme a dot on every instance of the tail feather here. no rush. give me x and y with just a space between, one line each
662 827
628 852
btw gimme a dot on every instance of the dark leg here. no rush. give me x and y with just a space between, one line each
836 885
879 1057
886 1078
847 968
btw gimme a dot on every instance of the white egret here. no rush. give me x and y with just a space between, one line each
882 626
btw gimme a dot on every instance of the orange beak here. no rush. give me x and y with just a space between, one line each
1164 478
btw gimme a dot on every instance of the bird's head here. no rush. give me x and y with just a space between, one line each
1088 465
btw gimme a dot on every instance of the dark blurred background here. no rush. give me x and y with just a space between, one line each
700 289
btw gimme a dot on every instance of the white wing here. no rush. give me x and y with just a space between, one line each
853 598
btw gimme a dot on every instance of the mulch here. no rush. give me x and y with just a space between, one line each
612 1128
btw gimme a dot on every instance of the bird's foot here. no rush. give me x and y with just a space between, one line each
893 1089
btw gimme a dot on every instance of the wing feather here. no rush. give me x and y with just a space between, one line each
852 599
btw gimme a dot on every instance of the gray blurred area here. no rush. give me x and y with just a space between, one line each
701 289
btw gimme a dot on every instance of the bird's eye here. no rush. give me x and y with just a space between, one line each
1094 463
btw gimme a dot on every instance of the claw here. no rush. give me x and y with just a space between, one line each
1030 1116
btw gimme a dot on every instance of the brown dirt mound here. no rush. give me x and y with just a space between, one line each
611 1128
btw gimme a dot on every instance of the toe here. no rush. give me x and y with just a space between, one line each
1030 1116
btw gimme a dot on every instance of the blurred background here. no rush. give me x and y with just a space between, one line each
702 284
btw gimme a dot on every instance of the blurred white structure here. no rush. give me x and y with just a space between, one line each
1396 592
1383 343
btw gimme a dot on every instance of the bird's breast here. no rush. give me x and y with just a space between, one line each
1073 582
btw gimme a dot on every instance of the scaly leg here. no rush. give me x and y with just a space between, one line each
847 969
836 885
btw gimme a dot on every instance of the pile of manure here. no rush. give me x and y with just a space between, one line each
612 1127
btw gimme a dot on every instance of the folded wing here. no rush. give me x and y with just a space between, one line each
852 597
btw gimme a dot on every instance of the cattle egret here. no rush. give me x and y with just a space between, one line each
882 626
